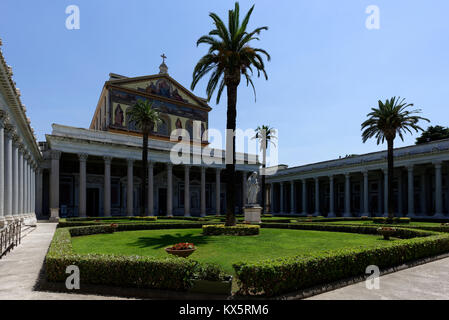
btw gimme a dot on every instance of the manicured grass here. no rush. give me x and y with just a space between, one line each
223 250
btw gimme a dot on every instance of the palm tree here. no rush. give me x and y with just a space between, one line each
264 134
230 57
385 122
145 117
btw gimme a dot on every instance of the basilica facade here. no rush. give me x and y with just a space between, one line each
97 171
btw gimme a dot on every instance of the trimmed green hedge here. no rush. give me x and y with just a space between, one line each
171 273
403 233
278 276
398 220
238 230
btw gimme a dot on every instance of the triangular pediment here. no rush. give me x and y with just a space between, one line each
160 85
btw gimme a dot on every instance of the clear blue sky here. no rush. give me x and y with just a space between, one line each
327 69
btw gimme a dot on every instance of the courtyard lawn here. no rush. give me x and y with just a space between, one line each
223 250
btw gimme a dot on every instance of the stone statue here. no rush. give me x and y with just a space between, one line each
253 189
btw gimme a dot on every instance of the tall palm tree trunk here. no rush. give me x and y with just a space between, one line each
143 198
390 178
230 168
263 179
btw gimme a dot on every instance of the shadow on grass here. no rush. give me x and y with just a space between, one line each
166 240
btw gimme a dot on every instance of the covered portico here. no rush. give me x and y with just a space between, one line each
98 173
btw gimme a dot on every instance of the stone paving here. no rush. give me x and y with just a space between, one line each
21 268
428 281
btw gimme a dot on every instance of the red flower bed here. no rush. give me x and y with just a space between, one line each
183 246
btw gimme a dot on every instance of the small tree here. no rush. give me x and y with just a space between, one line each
433 133
385 122
264 134
145 117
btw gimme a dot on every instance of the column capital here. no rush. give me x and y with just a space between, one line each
3 118
316 179
107 160
169 165
347 175
218 170
16 140
22 148
55 154
331 177
83 157
10 130
365 172
130 162
281 183
292 182
151 163
410 166
437 164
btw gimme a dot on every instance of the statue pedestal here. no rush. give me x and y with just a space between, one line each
252 213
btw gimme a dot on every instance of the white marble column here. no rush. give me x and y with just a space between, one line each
54 185
423 194
203 191
217 191
365 193
317 196
24 184
400 200
272 198
304 196
186 190
33 189
385 192
244 188
39 189
438 190
130 188
20 164
331 197
8 173
347 212
29 186
2 171
15 178
169 190
107 187
82 184
292 197
281 197
150 188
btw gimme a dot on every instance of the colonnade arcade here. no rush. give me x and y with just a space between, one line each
18 171
419 190
91 185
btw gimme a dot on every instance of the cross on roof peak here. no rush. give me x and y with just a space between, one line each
163 67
